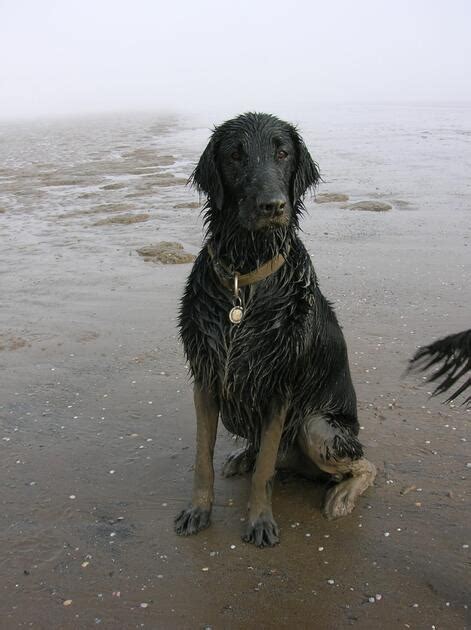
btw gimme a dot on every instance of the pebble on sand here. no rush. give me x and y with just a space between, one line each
166 252
67 602
371 206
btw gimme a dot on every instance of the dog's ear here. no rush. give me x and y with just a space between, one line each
206 176
307 172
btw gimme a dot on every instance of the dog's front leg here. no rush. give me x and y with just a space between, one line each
262 529
197 516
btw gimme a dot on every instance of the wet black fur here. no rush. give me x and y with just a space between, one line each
454 355
289 346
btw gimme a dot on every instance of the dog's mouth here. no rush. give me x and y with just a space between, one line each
271 223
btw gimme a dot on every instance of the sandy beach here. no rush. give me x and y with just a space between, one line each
96 415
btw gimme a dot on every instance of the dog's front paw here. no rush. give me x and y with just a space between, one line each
263 532
191 521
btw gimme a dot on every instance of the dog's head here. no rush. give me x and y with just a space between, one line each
257 168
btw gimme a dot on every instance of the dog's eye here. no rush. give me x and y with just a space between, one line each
235 155
281 155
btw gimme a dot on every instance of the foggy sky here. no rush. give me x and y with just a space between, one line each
79 56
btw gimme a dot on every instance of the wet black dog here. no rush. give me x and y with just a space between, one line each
265 349
452 356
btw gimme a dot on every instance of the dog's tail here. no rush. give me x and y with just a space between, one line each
454 353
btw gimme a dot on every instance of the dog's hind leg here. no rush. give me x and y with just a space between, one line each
239 462
262 529
335 449
197 515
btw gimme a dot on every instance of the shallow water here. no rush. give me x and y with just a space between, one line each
96 419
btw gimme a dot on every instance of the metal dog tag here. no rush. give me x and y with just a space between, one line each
235 314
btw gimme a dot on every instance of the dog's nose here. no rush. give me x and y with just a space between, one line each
272 207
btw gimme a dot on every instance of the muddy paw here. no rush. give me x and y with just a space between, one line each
191 521
339 501
239 462
263 532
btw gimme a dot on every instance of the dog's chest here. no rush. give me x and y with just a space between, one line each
251 356
260 354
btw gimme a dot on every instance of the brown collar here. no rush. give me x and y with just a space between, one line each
228 277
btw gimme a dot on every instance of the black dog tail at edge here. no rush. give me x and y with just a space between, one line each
454 352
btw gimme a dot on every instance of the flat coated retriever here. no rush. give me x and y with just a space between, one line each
454 355
265 350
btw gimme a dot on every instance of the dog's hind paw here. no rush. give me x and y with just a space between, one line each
191 521
238 462
341 499
263 532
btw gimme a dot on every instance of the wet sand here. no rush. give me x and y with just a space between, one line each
97 426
